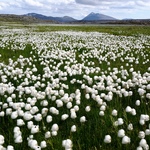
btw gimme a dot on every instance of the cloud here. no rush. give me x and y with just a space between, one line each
88 2
116 3
33 3
3 5
143 3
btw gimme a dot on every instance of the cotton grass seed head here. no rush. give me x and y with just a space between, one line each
130 126
120 121
141 135
73 128
1 140
55 127
137 103
83 119
35 129
43 144
107 139
47 134
101 113
114 112
67 144
87 108
64 116
126 140
121 133
10 147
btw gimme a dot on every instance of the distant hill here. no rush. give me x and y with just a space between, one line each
92 18
58 19
21 19
96 17
66 19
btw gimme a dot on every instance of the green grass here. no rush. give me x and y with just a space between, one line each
89 135
116 30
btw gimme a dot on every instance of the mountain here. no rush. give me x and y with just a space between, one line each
66 19
58 19
20 19
38 16
96 17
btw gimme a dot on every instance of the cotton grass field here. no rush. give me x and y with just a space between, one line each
74 87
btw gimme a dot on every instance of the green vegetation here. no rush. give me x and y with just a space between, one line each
116 29
103 71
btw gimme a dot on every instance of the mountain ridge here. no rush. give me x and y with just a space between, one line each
59 19
90 17
35 18
97 16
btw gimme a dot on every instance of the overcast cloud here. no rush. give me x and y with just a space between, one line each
78 8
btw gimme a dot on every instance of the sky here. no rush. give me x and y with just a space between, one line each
78 9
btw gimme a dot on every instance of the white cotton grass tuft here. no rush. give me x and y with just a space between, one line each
17 135
141 135
115 123
73 128
64 116
147 132
38 117
130 126
44 112
69 105
107 139
143 144
55 127
44 103
2 140
30 124
76 108
59 103
87 108
14 114
27 116
18 139
35 129
120 121
54 133
121 133
2 114
126 140
10 147
103 108
2 147
128 109
73 113
47 134
133 112
144 118
83 119
101 113
114 112
54 111
67 144
49 119
139 148
32 143
43 144
8 111
137 103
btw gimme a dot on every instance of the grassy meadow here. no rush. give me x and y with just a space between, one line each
74 87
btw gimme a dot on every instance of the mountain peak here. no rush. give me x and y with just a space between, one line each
92 13
96 16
